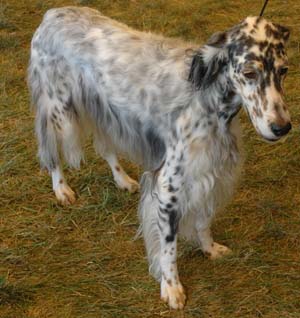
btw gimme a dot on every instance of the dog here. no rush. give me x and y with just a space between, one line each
167 105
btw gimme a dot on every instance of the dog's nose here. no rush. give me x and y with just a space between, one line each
279 130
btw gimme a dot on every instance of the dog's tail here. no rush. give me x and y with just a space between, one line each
56 123
57 137
148 215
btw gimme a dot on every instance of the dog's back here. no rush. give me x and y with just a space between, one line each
90 74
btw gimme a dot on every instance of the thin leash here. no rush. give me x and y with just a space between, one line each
263 8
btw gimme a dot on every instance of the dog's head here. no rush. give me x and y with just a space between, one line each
252 57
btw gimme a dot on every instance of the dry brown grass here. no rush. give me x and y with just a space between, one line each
82 261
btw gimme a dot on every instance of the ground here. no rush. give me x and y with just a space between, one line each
83 261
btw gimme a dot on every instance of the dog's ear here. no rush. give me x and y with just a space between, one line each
209 61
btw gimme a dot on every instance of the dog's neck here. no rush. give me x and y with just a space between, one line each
213 86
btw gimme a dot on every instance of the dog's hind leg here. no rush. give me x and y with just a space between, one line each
121 178
106 151
64 194
57 129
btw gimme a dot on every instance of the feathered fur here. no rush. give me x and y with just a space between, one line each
163 103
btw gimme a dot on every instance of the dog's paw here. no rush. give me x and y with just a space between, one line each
132 186
173 294
124 182
217 251
65 195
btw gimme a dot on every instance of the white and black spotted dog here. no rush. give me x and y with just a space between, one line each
168 105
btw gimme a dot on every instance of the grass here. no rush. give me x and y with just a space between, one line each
82 261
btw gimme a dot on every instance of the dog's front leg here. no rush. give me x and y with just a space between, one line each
169 189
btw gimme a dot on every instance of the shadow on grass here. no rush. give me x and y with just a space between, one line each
14 295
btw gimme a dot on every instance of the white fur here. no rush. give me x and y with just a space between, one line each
162 103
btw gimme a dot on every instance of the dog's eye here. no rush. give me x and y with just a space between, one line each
283 71
250 74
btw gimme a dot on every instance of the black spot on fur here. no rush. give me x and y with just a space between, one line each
284 31
258 19
268 30
174 199
279 50
57 125
251 57
169 205
59 92
54 116
69 106
280 33
180 159
177 170
173 223
171 188
170 238
228 97
186 127
56 109
262 45
223 115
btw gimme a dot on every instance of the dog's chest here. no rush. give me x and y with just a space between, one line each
212 168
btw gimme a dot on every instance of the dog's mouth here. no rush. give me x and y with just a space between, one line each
270 140
275 140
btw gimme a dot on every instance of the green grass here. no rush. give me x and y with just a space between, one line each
82 261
